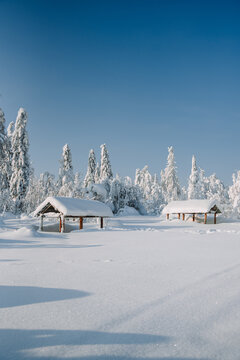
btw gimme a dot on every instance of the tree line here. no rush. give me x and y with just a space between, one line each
21 191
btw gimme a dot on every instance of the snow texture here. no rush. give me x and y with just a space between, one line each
144 288
76 207
190 207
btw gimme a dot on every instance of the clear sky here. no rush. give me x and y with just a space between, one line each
137 75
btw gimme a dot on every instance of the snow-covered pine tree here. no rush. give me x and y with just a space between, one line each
4 160
234 194
106 174
66 176
97 174
46 185
171 183
148 192
123 193
20 162
77 186
5 167
218 191
10 129
138 177
163 185
203 184
34 196
156 196
105 168
114 194
193 182
90 175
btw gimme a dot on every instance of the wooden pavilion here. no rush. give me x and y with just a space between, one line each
66 208
193 207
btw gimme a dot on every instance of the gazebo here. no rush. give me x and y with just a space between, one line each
193 207
71 208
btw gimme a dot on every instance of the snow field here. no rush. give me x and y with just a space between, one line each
143 288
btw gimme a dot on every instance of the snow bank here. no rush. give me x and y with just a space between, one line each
128 211
19 234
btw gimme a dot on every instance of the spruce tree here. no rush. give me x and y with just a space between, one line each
90 175
171 183
4 161
77 186
66 176
193 182
97 174
218 191
20 162
234 194
105 169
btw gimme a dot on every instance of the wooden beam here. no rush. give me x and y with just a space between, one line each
215 218
205 218
178 216
81 223
183 217
193 217
101 222
167 216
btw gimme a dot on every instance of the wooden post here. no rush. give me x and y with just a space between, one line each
193 217
81 223
167 216
63 224
101 222
215 218
178 216
183 217
41 223
60 224
205 218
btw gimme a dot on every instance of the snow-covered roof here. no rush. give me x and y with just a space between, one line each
191 207
74 207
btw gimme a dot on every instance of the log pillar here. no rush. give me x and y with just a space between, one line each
167 216
60 224
41 223
193 217
178 216
205 218
183 217
81 223
101 222
63 224
215 218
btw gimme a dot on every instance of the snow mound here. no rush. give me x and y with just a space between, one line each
19 234
99 189
128 211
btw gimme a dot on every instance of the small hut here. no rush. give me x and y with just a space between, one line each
71 208
193 207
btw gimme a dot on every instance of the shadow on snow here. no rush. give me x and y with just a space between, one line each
11 296
26 344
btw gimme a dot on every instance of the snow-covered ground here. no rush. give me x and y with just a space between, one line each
143 288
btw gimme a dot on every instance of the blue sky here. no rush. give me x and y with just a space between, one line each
137 75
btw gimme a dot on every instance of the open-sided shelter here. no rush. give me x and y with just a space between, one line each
72 208
193 207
